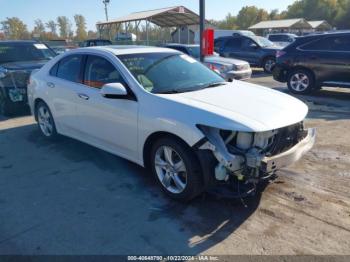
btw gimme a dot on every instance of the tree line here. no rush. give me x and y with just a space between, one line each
336 12
61 28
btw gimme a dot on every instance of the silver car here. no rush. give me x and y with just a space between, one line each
228 68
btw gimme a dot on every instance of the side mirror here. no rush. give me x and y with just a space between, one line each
114 91
254 46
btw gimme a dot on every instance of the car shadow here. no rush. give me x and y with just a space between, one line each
130 203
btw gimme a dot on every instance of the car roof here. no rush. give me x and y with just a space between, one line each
184 45
282 34
342 33
130 49
18 41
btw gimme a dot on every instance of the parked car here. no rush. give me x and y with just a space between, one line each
228 68
95 42
256 50
61 49
282 39
315 61
164 110
17 60
222 33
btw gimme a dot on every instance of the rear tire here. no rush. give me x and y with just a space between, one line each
45 120
268 64
301 82
176 169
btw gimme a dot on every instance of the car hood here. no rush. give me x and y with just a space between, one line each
223 60
242 106
24 65
273 48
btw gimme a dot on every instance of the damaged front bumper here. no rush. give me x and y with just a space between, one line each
251 157
273 163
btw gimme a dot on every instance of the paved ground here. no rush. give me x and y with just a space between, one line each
70 198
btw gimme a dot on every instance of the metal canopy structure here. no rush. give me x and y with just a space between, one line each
282 24
177 16
164 17
320 25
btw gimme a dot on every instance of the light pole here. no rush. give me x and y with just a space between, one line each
106 3
201 26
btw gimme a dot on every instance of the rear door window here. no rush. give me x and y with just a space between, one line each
275 38
69 68
333 43
233 44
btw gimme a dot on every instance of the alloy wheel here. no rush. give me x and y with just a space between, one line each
170 169
299 82
269 64
45 121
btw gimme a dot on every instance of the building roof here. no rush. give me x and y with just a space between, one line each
298 23
322 24
164 17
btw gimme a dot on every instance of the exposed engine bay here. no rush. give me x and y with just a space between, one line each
252 157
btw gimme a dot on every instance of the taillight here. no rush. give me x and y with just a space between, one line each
280 53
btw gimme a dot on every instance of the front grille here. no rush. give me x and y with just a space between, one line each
286 138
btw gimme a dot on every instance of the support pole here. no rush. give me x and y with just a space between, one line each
201 25
147 33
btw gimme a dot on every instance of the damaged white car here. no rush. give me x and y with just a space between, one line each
164 110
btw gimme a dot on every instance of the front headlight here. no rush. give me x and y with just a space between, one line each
241 67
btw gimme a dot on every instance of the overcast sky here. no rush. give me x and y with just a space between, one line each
93 10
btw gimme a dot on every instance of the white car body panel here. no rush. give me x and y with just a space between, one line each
122 126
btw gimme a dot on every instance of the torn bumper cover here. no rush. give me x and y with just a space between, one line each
270 164
255 156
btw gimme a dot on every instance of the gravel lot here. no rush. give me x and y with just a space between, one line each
70 198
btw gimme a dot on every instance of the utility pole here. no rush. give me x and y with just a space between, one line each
106 3
201 26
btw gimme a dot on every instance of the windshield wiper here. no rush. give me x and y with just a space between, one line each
215 84
173 91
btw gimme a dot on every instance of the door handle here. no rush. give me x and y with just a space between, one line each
50 84
83 96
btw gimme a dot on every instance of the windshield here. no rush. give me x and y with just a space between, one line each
170 72
24 52
262 41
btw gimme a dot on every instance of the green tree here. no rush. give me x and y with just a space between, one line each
230 22
65 27
250 15
315 10
342 19
39 28
52 26
80 22
14 28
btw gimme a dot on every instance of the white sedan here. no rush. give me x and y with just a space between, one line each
164 110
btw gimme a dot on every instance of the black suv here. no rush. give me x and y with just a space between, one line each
17 60
314 61
256 50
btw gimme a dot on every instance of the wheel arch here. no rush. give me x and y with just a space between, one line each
152 138
299 67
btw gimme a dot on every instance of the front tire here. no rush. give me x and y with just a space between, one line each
45 120
176 169
301 82
6 108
